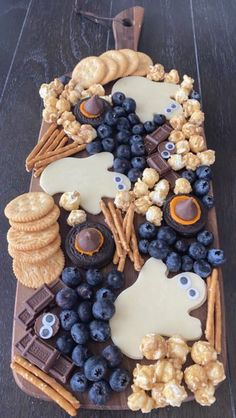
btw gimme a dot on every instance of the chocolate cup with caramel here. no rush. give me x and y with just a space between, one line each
90 245
91 110
189 214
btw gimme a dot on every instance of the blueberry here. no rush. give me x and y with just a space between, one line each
122 124
197 251
65 344
208 201
202 268
123 151
143 246
115 279
68 318
204 172
129 105
187 263
119 380
147 230
121 165
99 393
205 237
136 139
138 129
99 330
118 98
113 355
111 118
201 187
119 111
123 137
85 291
108 144
94 277
173 262
149 126
195 95
95 368
190 175
78 382
71 276
94 147
79 355
134 174
65 79
104 131
105 294
103 309
85 311
79 333
216 257
66 298
181 245
138 162
138 150
158 249
159 119
167 234
133 118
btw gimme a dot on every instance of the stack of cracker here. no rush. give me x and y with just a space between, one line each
33 238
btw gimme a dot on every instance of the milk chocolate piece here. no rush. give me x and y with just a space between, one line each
62 368
40 354
94 105
152 141
39 300
186 209
171 177
24 341
26 318
88 240
157 162
56 286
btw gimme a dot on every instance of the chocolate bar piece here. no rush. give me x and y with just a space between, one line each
24 341
157 162
40 354
39 300
152 141
61 369
171 177
26 318
56 286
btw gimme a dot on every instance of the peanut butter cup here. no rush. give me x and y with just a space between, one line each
91 110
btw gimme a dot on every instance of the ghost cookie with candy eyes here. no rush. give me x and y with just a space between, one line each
159 305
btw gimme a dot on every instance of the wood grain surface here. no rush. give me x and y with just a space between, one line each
197 38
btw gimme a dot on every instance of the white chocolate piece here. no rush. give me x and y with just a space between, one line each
150 96
88 175
156 304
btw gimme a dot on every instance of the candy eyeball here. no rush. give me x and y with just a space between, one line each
46 332
184 282
202 352
48 319
193 293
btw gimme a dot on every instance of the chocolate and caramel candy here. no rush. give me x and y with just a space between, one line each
89 241
91 110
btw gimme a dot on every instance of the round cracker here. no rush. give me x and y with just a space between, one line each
120 59
28 241
112 70
144 62
29 207
39 224
36 256
133 61
35 275
88 71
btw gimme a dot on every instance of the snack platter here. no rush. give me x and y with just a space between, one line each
156 306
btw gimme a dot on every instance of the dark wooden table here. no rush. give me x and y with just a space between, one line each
40 39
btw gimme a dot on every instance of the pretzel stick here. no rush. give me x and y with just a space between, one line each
56 141
30 163
134 244
118 226
45 388
209 332
116 257
47 379
58 155
41 142
129 224
218 320
63 142
109 221
55 152
121 264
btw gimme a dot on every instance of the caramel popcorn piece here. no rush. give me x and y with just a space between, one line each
50 101
161 190
154 215
156 72
215 372
190 129
70 200
76 217
206 157
182 186
49 117
202 353
177 121
177 162
174 393
205 395
176 136
142 204
191 161
85 134
62 106
177 349
165 371
123 200
66 116
144 376
157 395
191 106
140 400
197 143
187 83
150 177
182 147
153 347
172 77
57 86
140 188
181 96
94 89
197 118
195 377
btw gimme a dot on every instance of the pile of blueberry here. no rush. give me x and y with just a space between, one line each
180 254
86 308
122 134
200 181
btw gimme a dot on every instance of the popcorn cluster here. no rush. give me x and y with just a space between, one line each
157 73
70 201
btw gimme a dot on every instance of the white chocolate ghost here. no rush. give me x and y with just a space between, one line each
90 176
156 304
150 96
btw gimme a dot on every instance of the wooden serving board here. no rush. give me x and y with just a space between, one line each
124 37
